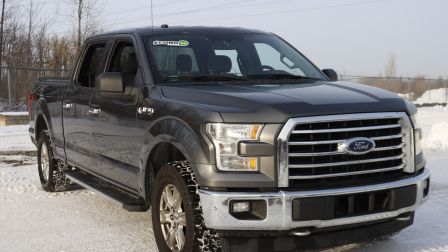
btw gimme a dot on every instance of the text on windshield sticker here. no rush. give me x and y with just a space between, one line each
170 43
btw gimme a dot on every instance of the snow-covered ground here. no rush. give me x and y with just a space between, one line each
33 220
15 138
79 220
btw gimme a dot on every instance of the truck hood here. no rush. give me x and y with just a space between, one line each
277 103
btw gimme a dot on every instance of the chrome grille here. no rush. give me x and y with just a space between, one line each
308 147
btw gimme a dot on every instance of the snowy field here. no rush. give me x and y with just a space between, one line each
33 220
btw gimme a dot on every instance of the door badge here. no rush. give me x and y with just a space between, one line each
145 111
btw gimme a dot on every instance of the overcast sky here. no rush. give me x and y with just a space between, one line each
352 36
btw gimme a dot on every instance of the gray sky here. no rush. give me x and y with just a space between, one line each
352 36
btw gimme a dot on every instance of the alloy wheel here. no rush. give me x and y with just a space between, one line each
172 218
45 162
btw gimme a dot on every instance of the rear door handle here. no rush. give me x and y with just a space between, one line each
94 110
67 105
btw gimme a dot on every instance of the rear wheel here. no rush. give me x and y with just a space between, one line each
50 170
177 218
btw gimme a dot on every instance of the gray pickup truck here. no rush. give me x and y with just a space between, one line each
233 139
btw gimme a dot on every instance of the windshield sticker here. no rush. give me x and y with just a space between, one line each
170 43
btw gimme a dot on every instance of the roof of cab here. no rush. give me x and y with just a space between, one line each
180 30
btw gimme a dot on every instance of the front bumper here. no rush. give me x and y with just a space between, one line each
325 238
216 205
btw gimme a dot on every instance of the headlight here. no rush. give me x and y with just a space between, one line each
225 138
417 134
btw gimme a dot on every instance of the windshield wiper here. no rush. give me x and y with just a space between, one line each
281 76
203 78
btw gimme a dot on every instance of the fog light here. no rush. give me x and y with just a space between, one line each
248 209
240 206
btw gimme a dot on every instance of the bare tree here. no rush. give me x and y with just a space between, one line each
84 14
80 11
1 37
30 31
391 68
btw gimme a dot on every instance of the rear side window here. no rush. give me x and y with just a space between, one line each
90 67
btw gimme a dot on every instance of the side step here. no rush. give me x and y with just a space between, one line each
128 201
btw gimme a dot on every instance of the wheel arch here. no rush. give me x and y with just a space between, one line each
162 153
171 140
42 120
41 124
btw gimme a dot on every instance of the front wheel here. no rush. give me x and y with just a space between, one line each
176 210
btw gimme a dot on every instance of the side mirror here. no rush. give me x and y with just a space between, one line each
331 74
109 83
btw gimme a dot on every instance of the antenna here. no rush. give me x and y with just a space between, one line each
152 18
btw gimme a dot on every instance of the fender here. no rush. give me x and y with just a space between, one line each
179 134
42 110
57 142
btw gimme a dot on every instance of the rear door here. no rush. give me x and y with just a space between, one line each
116 135
76 105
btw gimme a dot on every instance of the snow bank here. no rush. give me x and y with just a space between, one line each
14 113
434 123
437 138
433 96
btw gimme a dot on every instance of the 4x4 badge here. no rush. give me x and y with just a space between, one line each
145 110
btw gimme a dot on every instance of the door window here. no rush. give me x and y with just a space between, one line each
90 67
124 61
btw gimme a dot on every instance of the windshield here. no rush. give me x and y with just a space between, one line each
250 58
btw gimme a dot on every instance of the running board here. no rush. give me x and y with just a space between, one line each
128 201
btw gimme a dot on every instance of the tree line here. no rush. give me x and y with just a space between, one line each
29 46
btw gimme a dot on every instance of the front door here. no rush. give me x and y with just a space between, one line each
116 136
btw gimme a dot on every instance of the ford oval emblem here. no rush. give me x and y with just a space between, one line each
357 146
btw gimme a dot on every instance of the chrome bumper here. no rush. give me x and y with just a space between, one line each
215 207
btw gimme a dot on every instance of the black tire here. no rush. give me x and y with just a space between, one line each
197 236
52 179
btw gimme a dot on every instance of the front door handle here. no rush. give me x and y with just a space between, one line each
94 110
67 105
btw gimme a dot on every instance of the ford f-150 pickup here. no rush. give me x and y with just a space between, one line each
233 139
